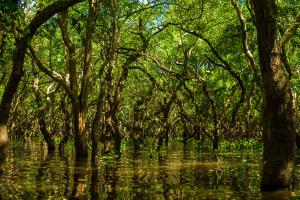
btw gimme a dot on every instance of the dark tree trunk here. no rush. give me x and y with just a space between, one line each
278 129
298 141
166 134
215 141
278 111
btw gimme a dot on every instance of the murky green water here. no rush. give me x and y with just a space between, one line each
180 173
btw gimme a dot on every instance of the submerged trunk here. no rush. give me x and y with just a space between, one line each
278 112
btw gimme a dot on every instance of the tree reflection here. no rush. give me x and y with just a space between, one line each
163 177
66 173
110 180
137 184
180 174
283 195
41 173
94 189
80 179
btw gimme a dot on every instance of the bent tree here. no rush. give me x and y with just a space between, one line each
18 62
278 110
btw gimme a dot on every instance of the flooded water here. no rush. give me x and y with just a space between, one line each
179 173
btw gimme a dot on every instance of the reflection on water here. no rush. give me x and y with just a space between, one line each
180 173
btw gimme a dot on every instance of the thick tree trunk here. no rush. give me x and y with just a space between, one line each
278 129
278 111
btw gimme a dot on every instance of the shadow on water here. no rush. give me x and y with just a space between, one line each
178 173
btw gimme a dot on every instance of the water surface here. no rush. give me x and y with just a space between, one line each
181 172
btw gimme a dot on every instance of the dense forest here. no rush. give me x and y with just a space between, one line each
101 72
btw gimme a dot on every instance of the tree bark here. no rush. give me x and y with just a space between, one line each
278 111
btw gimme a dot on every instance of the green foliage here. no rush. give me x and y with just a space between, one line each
243 145
193 74
202 146
126 144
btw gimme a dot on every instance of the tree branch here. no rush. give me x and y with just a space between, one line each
53 75
289 33
44 14
246 48
21 45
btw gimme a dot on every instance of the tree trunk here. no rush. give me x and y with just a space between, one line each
41 115
278 112
8 95
66 133
278 129
80 131
96 124
86 81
